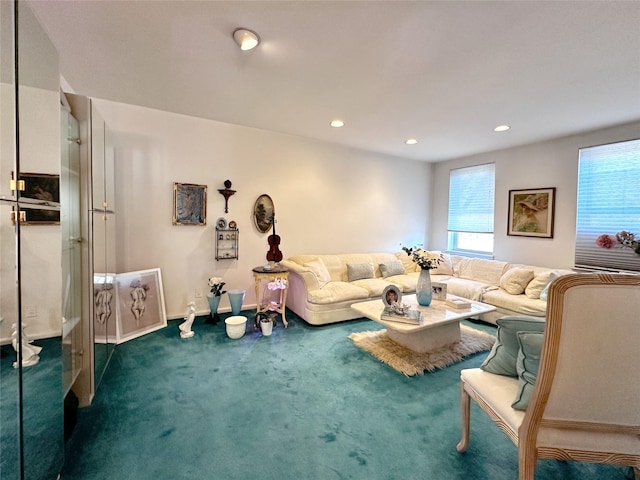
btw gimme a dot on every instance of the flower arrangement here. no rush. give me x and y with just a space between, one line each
277 284
425 260
622 239
216 285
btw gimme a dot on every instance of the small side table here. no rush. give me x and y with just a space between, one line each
270 274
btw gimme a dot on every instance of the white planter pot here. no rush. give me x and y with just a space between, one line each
266 327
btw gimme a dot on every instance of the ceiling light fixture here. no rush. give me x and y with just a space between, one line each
246 39
411 141
337 123
501 128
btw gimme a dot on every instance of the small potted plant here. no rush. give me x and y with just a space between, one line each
265 321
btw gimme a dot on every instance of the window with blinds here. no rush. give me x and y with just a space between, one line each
471 201
608 202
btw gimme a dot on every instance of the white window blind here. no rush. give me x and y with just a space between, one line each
608 202
471 199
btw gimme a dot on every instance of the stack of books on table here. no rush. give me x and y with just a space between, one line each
394 317
458 303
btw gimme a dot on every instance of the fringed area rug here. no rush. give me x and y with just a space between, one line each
409 363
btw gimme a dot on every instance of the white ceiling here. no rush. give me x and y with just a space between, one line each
444 72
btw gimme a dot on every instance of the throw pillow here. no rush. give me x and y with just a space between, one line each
318 267
536 285
445 267
515 280
408 264
359 271
502 357
527 365
545 291
391 268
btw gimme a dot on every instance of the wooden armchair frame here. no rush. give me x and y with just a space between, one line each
586 402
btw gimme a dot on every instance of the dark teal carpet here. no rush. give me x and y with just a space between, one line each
304 403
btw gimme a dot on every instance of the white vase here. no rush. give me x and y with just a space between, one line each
423 288
266 326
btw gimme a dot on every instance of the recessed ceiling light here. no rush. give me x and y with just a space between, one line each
411 141
501 128
337 123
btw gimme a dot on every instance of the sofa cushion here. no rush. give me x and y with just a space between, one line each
515 280
334 292
527 363
502 357
463 287
374 286
481 270
319 269
536 285
445 267
545 291
391 268
406 283
521 304
358 271
409 265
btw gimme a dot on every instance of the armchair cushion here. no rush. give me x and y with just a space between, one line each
527 365
503 356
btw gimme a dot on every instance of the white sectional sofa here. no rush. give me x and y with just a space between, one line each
322 288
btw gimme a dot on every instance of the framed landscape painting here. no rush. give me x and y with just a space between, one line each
140 304
189 204
531 212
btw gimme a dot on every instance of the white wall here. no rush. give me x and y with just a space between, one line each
328 199
547 164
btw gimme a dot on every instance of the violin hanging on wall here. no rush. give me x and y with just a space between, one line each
274 254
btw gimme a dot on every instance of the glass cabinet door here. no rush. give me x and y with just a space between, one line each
39 247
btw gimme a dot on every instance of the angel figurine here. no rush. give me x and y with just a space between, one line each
30 353
185 327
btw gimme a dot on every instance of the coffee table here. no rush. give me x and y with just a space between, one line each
439 323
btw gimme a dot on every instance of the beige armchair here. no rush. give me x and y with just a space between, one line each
585 404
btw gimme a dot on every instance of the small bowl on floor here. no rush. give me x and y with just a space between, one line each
236 326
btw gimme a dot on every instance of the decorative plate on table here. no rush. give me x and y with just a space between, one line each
233 224
221 223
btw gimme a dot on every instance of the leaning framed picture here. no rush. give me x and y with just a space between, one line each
140 304
531 212
189 204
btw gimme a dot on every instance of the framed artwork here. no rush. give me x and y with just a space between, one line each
439 290
42 187
531 212
104 326
391 294
263 213
189 204
140 304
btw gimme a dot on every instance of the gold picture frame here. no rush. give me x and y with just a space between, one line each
531 212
